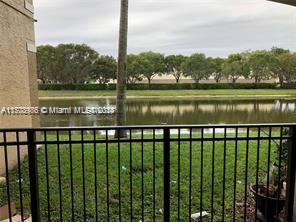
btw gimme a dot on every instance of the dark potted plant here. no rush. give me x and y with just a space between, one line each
271 199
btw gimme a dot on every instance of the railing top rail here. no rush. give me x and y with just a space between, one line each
136 127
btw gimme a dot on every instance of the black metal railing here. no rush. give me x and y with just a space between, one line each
156 173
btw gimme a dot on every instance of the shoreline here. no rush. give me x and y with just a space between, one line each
172 97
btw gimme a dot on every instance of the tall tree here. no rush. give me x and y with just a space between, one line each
122 69
46 63
232 70
80 59
173 65
279 72
151 64
63 75
287 63
74 62
235 66
133 69
55 64
261 65
278 51
198 67
216 64
104 69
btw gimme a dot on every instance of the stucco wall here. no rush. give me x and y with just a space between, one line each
18 86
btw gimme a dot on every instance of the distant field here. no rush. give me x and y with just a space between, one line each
175 93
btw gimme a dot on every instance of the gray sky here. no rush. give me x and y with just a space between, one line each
214 27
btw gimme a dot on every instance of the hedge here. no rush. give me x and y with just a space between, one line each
202 86
154 86
289 86
72 87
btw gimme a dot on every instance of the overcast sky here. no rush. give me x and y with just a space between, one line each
214 27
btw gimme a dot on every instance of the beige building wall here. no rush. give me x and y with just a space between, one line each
18 85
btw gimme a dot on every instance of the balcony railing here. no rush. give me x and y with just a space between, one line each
156 173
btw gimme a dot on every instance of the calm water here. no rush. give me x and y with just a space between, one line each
179 111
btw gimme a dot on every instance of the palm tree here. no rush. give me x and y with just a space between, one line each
122 69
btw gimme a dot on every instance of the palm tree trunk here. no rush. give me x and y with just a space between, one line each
122 69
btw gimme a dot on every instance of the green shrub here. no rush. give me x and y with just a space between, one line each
160 86
111 86
289 86
73 87
185 86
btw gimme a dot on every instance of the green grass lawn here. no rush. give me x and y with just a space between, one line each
124 170
173 93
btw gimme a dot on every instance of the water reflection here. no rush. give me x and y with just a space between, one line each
180 111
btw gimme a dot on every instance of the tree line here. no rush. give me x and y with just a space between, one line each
79 63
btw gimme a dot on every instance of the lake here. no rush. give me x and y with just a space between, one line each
177 111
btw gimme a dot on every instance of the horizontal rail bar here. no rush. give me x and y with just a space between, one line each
145 140
140 127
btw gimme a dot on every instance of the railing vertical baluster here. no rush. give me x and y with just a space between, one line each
33 172
246 176
107 175
7 175
131 176
279 171
20 176
257 171
166 174
291 175
190 174
179 169
224 172
119 177
154 180
213 177
71 174
268 173
201 173
83 174
96 176
235 174
47 177
59 175
142 174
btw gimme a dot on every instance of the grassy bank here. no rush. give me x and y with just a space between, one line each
234 93
95 161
